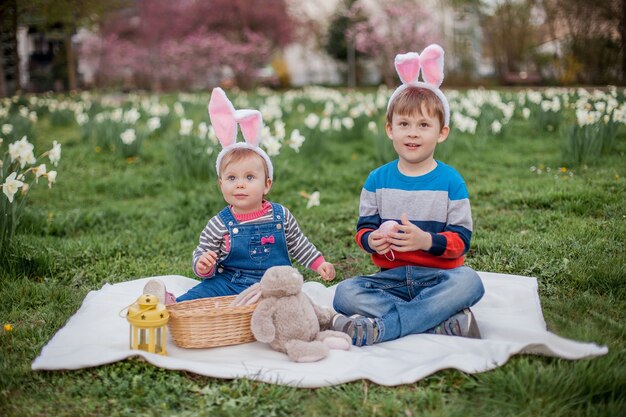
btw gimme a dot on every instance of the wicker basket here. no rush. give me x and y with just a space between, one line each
210 322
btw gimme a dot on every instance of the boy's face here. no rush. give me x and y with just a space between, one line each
415 137
243 184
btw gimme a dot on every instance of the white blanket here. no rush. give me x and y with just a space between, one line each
509 316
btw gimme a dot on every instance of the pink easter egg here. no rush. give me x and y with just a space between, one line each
388 227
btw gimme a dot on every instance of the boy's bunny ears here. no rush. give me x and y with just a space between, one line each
430 62
225 118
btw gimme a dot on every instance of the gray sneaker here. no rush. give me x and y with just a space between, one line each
461 324
361 329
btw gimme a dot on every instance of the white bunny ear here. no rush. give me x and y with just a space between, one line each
222 115
408 67
432 64
251 123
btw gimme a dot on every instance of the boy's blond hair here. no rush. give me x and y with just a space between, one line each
415 100
239 154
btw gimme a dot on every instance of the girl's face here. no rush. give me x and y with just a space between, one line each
243 184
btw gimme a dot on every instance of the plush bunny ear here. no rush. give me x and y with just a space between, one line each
222 115
251 123
432 65
408 67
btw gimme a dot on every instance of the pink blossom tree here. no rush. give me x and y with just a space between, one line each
161 44
398 26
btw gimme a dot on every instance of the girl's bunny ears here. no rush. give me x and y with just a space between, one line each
225 118
430 63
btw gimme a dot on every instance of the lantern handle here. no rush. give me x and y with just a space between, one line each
135 315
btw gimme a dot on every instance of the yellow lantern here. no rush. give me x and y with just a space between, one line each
148 323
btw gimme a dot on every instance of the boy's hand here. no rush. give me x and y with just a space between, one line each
326 271
378 242
409 237
206 262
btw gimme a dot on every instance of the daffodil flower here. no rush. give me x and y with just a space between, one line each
54 154
314 200
39 171
11 185
52 177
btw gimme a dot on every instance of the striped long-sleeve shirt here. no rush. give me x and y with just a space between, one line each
215 237
437 202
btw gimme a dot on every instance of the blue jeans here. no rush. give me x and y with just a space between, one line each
409 299
223 283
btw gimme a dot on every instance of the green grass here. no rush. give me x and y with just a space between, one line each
111 220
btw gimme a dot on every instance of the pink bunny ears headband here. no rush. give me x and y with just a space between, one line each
225 118
430 62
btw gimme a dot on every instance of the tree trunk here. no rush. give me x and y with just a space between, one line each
3 85
16 55
623 40
71 61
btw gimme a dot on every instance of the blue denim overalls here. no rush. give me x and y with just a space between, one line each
254 248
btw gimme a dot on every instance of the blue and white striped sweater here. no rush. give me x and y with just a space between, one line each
437 202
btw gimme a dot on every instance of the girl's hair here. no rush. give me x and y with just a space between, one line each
413 100
239 154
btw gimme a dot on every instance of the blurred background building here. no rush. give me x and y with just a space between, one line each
160 45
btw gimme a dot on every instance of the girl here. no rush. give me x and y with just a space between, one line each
251 234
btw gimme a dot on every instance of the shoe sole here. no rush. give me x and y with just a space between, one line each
473 331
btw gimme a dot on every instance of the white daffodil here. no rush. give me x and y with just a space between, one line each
117 114
279 129
186 125
131 116
203 129
311 120
296 140
325 124
22 150
154 123
39 171
211 135
7 129
55 153
347 122
11 185
371 126
526 113
496 127
314 200
128 136
82 118
52 177
271 145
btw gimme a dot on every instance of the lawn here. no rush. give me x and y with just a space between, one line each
117 214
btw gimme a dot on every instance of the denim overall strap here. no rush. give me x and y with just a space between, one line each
227 216
255 247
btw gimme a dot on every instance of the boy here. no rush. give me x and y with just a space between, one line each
422 285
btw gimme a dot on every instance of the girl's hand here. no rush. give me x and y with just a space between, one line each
326 271
409 237
206 262
378 242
